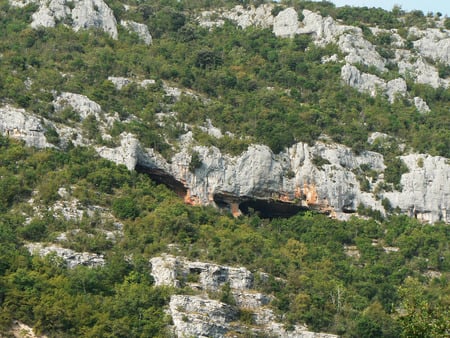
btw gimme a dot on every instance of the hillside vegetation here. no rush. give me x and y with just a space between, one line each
259 87
372 277
313 274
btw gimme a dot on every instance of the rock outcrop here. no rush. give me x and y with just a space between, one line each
433 43
428 178
430 44
17 123
200 316
372 84
173 271
325 176
79 103
79 14
70 257
140 29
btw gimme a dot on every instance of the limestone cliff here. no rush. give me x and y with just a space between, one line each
81 14
325 176
200 316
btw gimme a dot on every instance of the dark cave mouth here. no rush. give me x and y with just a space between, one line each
270 208
263 208
161 177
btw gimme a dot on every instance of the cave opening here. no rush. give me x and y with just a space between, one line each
161 177
270 208
264 208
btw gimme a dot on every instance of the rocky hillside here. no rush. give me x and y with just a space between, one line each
162 137
322 176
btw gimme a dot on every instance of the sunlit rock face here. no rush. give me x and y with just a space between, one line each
201 316
78 14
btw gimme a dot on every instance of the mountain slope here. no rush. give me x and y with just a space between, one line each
275 114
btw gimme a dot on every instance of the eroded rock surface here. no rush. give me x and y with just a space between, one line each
200 316
71 257
79 14
170 270
17 123
325 176
426 188
140 29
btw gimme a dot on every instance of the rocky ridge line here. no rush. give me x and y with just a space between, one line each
432 43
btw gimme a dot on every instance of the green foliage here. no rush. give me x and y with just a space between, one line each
196 161
395 168
319 161
226 296
261 89
246 316
90 127
52 135
312 278
447 23
125 207
36 230
234 67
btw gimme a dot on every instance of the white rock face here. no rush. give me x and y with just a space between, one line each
119 82
372 84
434 43
128 153
80 103
194 316
359 50
417 68
140 29
421 105
71 257
94 13
286 23
260 16
172 271
19 124
200 316
323 30
50 12
426 188
290 177
85 14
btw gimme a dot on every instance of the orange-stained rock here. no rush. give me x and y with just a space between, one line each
235 211
192 200
310 193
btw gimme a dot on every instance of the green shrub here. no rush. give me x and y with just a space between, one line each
196 161
125 208
395 168
52 135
